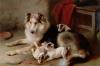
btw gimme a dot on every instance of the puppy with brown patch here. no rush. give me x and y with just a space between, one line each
47 52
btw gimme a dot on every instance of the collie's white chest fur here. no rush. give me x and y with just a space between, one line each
32 37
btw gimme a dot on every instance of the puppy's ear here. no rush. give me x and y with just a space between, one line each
28 15
51 45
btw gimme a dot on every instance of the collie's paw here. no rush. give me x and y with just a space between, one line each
9 44
11 53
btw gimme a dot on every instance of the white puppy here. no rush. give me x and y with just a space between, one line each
47 52
53 53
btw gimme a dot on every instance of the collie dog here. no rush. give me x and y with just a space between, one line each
36 25
38 30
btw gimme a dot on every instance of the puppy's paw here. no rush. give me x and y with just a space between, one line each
66 63
11 53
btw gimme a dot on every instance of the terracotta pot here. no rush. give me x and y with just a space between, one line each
5 35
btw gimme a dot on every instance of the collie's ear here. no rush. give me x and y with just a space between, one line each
28 15
41 17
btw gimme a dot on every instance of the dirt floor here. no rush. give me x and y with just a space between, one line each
27 59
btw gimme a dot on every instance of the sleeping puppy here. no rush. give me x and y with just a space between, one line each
47 52
53 53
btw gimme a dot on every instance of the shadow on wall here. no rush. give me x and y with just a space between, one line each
12 12
52 3
7 22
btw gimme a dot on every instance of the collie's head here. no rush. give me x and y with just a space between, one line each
36 23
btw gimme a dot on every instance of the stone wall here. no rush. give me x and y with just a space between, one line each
12 12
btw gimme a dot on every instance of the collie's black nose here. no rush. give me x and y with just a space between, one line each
32 32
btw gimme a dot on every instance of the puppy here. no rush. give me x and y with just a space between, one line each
53 53
47 52
36 25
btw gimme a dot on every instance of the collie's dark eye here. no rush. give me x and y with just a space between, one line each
30 22
35 23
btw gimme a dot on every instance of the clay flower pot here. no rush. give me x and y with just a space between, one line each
5 35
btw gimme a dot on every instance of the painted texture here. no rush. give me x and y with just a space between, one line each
12 12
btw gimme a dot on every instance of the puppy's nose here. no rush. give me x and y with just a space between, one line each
32 32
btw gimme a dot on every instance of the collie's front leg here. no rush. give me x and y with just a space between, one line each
17 42
24 50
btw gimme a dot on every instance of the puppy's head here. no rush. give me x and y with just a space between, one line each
36 23
48 45
39 54
42 56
